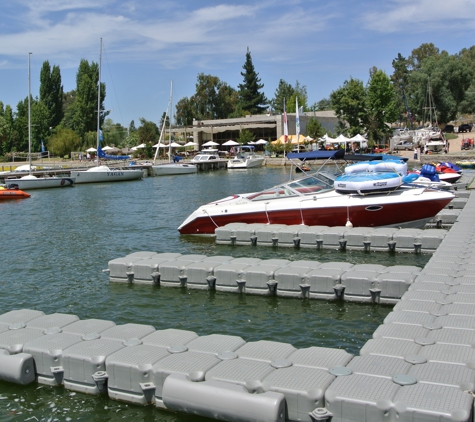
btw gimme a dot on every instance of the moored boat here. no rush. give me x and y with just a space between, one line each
313 200
7 193
245 158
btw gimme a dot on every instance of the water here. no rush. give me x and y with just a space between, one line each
56 243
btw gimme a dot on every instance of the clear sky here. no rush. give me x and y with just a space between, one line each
148 43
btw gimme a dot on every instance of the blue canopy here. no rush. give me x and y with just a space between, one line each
102 154
317 155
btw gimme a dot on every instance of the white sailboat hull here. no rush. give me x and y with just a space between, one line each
27 183
104 174
174 168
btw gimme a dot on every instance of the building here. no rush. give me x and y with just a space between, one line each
265 126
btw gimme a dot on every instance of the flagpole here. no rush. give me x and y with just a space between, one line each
297 123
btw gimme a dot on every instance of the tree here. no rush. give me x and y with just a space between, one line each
381 104
213 99
184 112
64 141
245 136
399 78
148 132
85 104
366 109
284 90
322 105
300 92
314 128
449 79
419 54
350 105
51 93
250 97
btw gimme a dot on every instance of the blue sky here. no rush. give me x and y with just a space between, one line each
147 44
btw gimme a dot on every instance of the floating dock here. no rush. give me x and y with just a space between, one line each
419 365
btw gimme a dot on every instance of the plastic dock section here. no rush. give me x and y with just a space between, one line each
281 277
324 237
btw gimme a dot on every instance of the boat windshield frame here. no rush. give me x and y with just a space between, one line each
309 185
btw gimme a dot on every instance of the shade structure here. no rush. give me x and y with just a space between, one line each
91 149
160 145
176 145
190 144
261 142
230 143
140 146
107 148
210 144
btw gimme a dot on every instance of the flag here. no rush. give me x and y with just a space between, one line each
101 138
42 146
286 129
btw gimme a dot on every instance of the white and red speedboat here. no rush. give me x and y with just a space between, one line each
313 201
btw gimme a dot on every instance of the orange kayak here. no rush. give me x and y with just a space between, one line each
6 193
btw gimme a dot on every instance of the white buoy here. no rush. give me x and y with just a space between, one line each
349 224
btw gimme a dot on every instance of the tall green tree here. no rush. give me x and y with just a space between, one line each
350 105
148 132
51 93
213 99
399 79
85 109
284 90
381 104
367 109
250 96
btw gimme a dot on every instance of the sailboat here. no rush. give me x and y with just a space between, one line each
30 181
170 168
101 173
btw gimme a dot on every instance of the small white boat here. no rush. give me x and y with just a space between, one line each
207 155
173 168
245 158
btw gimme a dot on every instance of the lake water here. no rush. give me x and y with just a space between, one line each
56 243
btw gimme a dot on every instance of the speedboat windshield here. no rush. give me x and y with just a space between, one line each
305 186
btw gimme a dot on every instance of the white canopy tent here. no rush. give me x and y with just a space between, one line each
210 144
230 143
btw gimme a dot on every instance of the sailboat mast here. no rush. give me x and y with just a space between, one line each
99 104
170 124
163 128
29 114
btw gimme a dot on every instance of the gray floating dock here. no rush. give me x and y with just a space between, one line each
281 277
337 237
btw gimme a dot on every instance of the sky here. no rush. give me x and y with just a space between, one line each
147 44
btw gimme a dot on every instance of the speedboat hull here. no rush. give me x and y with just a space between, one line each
401 207
174 168
104 174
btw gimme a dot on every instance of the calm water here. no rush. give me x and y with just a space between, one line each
55 245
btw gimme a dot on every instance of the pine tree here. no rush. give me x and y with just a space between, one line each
251 100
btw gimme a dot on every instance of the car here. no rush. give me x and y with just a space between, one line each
404 146
465 128
448 129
